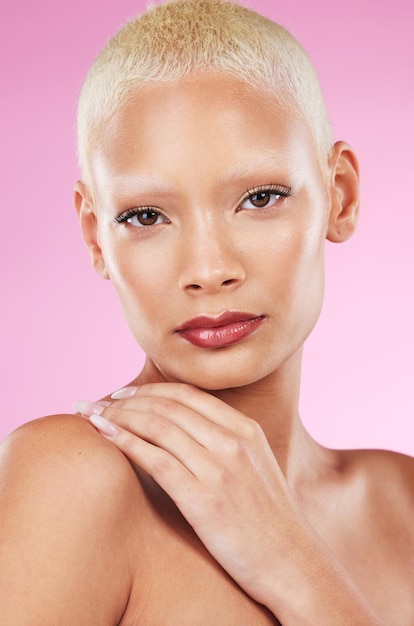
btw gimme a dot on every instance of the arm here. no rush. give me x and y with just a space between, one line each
219 469
63 526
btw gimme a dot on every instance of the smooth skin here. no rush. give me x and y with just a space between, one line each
203 500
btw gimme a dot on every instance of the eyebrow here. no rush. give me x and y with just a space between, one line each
146 185
247 169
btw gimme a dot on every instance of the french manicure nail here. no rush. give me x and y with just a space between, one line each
104 426
88 408
124 393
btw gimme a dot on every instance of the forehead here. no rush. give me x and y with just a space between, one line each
205 123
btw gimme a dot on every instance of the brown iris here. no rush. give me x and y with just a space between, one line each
260 199
147 217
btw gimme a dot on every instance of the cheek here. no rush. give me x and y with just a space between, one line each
143 274
127 262
309 278
297 274
294 251
134 278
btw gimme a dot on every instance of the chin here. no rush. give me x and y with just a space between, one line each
215 376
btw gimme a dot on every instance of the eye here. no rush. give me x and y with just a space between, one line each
145 216
264 197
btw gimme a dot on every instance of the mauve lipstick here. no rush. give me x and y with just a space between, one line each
217 332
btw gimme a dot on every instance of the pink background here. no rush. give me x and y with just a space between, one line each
62 333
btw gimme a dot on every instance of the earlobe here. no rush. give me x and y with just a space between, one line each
344 193
89 227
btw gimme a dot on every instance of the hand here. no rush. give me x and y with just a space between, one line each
217 466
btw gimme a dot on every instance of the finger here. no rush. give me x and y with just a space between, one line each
162 432
201 429
203 403
166 469
153 419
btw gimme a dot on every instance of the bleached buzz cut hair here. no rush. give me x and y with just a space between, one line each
182 37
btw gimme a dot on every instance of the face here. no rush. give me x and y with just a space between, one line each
209 216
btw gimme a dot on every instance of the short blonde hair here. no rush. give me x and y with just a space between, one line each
181 37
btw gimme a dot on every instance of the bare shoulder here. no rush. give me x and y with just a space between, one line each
63 455
381 469
69 502
375 537
384 489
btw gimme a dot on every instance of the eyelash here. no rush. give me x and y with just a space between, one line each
130 213
276 190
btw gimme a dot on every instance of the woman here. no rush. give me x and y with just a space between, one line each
209 185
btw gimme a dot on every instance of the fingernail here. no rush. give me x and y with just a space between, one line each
104 426
124 393
88 408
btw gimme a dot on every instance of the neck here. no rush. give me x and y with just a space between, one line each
273 403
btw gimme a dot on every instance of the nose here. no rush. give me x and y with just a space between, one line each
211 261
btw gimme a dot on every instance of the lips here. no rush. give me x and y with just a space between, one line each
217 332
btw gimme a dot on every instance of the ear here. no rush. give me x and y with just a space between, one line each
89 226
344 193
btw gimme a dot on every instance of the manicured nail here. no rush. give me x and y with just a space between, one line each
124 393
104 426
88 408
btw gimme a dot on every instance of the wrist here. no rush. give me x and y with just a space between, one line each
309 587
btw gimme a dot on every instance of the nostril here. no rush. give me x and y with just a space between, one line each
194 287
230 281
